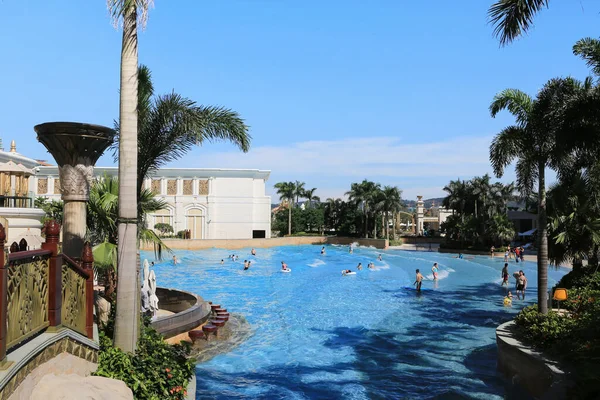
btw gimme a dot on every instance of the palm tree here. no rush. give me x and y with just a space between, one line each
392 203
299 191
310 196
481 188
512 18
458 193
102 216
170 125
287 191
363 193
531 141
126 320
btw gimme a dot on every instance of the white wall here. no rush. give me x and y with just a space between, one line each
236 203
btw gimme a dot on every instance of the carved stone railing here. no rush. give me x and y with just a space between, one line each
41 289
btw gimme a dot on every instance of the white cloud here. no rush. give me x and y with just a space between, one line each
331 165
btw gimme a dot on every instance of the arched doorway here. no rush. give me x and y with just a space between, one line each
194 219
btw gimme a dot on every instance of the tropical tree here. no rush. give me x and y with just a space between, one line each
102 227
53 209
299 191
512 18
126 320
286 192
364 194
309 194
392 202
532 143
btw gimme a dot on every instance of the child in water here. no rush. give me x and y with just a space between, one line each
508 299
434 269
323 250
419 280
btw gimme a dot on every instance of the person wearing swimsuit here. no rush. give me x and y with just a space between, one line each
434 269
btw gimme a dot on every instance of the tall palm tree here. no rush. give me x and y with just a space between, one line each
363 194
299 190
126 320
512 18
531 141
287 191
458 193
170 125
392 203
310 196
481 188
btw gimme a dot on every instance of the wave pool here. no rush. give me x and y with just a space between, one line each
320 335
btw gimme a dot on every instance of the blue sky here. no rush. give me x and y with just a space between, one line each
334 91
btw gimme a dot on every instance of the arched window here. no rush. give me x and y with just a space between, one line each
194 219
162 216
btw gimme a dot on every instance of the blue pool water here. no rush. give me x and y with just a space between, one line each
320 335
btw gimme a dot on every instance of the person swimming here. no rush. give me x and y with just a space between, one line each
222 261
246 265
359 266
379 258
253 252
284 266
371 265
434 270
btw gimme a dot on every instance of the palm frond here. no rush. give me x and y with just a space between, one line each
512 18
517 102
589 50
505 147
118 8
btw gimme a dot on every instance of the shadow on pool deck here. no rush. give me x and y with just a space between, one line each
419 362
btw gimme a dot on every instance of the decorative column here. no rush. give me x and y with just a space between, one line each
52 230
420 215
87 263
76 147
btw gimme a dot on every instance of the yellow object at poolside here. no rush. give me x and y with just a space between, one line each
560 294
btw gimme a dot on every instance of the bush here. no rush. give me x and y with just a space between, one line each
575 337
398 242
156 371
163 228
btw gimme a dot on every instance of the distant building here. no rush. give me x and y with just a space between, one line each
210 203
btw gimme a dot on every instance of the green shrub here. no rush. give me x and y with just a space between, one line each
398 242
156 371
542 330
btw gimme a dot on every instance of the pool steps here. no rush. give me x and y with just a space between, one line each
219 318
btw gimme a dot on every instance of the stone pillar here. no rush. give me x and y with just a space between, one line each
3 299
75 183
76 147
420 215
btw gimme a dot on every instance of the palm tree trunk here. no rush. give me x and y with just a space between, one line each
366 222
290 217
542 257
126 323
383 223
387 226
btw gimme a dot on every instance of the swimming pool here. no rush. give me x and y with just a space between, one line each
320 335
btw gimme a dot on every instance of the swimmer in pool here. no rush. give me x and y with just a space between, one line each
323 250
379 258
246 265
419 280
284 266
221 262
371 265
253 252
434 269
359 266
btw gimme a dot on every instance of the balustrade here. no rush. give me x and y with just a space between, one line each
43 288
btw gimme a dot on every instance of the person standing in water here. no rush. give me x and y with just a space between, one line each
505 275
434 270
284 266
492 250
253 252
379 258
350 249
323 250
419 280
246 265
359 266
521 284
175 260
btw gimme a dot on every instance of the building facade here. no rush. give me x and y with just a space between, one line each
208 203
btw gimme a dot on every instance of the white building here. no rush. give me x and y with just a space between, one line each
210 203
